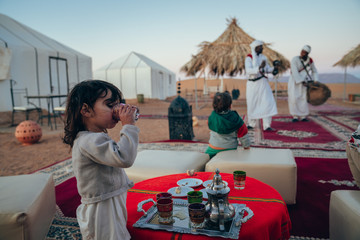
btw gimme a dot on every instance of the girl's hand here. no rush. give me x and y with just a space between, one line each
125 113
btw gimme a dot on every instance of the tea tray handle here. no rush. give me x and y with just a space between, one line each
245 219
140 205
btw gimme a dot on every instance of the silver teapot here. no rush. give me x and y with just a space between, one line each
218 209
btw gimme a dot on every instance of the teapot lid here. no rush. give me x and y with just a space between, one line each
217 186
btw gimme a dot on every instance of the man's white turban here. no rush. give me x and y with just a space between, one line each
256 43
307 48
253 45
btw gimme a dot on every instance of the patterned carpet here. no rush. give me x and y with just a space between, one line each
63 227
327 131
67 228
324 137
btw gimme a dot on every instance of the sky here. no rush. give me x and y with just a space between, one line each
169 32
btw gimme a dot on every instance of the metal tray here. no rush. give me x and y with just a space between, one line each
181 220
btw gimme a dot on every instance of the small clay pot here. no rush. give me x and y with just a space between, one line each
28 132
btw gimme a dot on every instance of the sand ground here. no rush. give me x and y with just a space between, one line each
17 159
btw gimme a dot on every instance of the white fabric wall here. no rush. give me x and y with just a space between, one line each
84 70
5 56
128 82
135 74
172 87
112 76
158 84
29 65
163 88
143 81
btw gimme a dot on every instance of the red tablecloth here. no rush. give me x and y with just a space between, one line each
270 221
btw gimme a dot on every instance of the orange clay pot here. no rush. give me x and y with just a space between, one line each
28 132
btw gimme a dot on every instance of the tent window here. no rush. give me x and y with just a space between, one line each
169 79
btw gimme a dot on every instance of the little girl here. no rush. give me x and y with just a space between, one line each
98 161
226 127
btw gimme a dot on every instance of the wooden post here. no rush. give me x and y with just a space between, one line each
344 96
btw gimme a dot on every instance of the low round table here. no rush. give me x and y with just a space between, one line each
270 221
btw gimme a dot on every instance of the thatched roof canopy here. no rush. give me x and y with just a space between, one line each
351 59
226 55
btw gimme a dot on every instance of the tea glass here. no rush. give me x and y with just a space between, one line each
115 112
239 179
194 197
163 195
197 215
165 210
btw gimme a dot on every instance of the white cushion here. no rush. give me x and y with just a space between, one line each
344 215
155 163
25 108
27 206
59 109
275 167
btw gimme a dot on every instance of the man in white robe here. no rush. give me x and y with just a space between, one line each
303 70
259 97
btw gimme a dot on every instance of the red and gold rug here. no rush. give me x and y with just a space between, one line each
328 131
319 173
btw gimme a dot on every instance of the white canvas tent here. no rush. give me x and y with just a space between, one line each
136 74
37 62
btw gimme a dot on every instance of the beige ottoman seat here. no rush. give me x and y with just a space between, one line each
155 163
344 212
275 167
27 206
344 215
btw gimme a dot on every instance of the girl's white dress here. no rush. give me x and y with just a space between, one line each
98 221
102 183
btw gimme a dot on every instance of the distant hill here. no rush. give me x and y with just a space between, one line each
330 78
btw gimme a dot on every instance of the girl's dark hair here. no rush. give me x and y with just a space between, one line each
222 102
85 92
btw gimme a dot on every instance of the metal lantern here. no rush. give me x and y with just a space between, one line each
180 119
